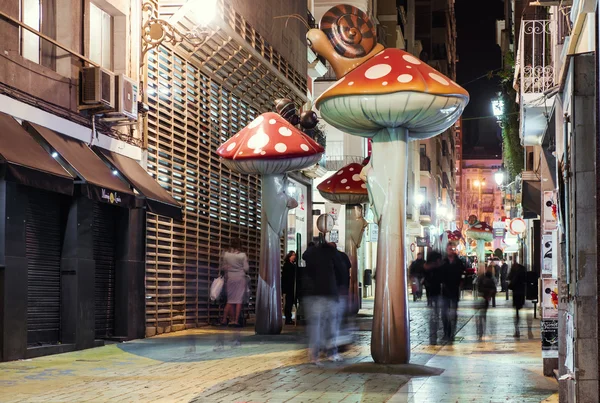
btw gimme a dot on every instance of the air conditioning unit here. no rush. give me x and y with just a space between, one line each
127 97
98 87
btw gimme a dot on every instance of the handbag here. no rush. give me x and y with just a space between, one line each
216 288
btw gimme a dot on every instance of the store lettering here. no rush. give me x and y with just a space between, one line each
111 197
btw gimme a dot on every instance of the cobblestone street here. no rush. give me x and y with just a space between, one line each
185 367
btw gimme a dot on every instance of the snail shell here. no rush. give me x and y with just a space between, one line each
349 30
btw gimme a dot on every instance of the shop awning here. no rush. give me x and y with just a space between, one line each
99 183
24 161
531 200
158 200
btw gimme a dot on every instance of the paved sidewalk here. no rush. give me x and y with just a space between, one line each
183 367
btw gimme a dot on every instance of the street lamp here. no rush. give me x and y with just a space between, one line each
419 199
498 109
499 177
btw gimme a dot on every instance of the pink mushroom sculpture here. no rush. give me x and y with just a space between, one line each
270 146
391 97
482 233
346 187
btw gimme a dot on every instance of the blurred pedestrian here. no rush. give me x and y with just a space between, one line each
517 282
234 263
433 283
288 284
453 270
343 283
321 296
486 287
503 275
416 273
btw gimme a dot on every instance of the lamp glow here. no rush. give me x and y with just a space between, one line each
499 177
54 154
498 107
476 183
442 210
419 199
205 11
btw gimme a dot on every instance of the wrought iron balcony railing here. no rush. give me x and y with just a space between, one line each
534 67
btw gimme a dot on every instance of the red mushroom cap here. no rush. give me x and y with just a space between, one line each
269 144
403 91
345 186
481 231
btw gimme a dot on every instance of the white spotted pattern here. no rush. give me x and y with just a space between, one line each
384 83
356 178
256 122
344 181
405 78
351 169
284 131
231 146
439 79
280 147
304 147
340 173
347 187
351 83
364 186
378 71
259 140
272 121
411 59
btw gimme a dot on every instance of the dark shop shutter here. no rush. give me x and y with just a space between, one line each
43 249
104 255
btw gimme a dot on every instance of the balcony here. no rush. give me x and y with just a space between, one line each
535 78
425 163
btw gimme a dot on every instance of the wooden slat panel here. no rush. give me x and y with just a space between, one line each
190 116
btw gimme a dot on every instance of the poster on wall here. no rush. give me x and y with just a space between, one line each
334 236
549 338
334 210
549 298
550 211
569 362
547 252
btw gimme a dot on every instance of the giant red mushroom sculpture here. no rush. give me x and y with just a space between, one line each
346 187
481 232
391 97
270 146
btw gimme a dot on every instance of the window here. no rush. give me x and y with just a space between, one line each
101 33
423 149
444 148
41 16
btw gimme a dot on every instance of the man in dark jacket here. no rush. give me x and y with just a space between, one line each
322 277
415 272
453 270
433 282
517 282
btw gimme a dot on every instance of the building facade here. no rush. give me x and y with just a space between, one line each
92 247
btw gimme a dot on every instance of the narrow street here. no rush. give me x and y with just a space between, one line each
184 367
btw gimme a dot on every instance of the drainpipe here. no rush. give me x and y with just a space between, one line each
567 200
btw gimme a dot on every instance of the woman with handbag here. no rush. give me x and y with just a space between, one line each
234 263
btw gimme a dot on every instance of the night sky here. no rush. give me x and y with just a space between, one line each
478 54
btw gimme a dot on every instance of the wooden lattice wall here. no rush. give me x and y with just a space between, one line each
190 116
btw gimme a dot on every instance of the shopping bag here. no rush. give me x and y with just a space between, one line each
216 288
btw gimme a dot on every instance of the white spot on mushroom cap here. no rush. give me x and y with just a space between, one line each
344 181
272 121
384 83
341 172
350 169
378 71
304 147
263 152
240 153
256 122
356 178
409 67
386 57
258 140
439 79
351 83
280 147
328 181
364 186
347 187
411 59
405 78
284 131
231 146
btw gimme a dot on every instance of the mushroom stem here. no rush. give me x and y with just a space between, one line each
480 257
275 206
386 181
355 226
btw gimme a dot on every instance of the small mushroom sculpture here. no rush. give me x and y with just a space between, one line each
346 187
482 233
270 146
390 96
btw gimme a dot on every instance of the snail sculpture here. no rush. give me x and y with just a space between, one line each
347 39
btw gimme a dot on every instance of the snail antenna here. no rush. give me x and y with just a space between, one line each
296 16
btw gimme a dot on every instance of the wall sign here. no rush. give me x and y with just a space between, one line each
550 211
549 298
550 338
547 252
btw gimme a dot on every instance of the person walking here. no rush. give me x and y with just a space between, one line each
433 284
321 294
486 287
343 283
288 285
503 275
415 272
234 263
452 270
517 282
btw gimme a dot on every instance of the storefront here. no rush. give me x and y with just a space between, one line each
297 236
71 241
